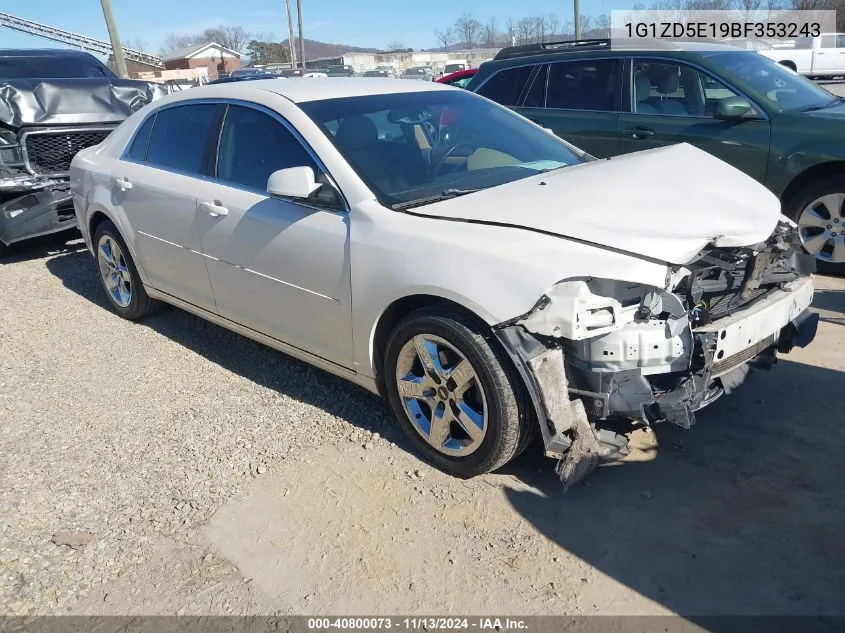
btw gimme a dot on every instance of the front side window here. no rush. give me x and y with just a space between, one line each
253 145
179 137
506 86
774 84
671 89
591 84
449 141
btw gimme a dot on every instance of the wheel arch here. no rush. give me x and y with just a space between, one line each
789 64
804 178
96 216
401 308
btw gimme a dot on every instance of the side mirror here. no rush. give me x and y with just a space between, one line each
294 182
731 108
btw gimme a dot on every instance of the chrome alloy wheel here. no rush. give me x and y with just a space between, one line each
442 395
822 228
114 271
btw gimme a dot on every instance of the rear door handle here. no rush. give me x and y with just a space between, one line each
214 208
639 132
123 183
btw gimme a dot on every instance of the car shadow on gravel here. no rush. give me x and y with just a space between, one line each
69 241
740 515
830 300
240 355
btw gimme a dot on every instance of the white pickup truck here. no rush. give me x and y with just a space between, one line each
822 56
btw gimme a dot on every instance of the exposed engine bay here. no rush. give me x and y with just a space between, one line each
53 104
624 352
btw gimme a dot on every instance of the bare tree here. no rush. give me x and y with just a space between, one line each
468 30
174 42
586 23
136 44
603 21
491 34
510 30
394 46
446 38
553 24
234 37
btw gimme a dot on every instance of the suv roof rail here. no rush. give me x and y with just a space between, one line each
623 43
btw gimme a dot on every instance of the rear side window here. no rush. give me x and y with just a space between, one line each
179 137
506 86
253 145
138 150
591 84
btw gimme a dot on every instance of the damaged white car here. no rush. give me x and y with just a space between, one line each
492 282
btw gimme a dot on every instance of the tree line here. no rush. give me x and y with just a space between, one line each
469 32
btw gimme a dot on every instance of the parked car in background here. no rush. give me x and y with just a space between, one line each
232 78
283 210
778 127
377 73
53 102
340 71
244 72
822 56
424 73
390 70
290 72
459 79
748 44
453 66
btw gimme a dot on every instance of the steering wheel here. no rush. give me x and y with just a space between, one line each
435 170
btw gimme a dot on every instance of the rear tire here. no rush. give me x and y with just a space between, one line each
822 229
119 276
433 410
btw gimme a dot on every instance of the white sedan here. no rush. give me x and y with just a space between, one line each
491 281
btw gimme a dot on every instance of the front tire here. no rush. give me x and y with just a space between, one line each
455 393
819 211
119 276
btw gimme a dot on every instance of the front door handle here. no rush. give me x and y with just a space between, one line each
639 132
123 183
214 208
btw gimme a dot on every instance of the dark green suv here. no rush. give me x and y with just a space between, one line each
782 129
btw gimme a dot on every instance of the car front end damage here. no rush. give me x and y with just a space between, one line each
595 353
43 124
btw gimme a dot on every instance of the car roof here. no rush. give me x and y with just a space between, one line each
43 52
601 47
458 74
302 90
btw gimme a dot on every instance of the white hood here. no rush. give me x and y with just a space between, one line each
666 204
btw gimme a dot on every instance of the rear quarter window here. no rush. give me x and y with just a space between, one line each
506 86
138 149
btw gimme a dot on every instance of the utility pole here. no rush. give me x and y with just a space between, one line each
301 41
290 36
117 49
576 6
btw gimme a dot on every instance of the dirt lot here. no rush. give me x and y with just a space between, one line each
217 476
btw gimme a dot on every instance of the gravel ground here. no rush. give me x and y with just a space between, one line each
205 465
76 455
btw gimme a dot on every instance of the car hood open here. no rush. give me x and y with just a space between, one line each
664 204
72 101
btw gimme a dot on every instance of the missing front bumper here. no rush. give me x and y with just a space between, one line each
36 213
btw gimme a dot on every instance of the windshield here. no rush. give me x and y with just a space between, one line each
410 147
52 67
779 86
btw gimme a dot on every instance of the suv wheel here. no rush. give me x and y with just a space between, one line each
819 211
455 393
119 276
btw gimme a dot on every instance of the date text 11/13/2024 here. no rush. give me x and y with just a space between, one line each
675 30
418 623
